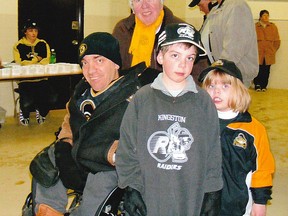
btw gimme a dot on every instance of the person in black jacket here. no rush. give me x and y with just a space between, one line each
85 150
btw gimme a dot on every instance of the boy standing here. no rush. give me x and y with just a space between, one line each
169 156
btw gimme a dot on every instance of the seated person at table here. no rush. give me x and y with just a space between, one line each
35 94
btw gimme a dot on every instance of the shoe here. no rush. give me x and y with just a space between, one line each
263 89
258 88
40 119
22 120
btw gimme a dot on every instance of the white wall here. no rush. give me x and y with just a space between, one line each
100 15
278 15
8 36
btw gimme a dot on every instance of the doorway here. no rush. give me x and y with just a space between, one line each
61 25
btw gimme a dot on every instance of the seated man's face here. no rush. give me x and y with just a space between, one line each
99 71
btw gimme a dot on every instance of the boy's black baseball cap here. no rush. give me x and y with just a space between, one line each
224 65
30 24
181 32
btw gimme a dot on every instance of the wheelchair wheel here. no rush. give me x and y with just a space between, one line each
27 209
76 198
29 204
113 205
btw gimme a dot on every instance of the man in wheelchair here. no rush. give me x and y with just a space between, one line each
83 156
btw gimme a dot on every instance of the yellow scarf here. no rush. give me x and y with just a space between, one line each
143 40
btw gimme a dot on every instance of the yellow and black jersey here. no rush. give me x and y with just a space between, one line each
248 165
26 53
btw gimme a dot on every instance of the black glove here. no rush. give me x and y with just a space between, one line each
211 205
71 176
133 202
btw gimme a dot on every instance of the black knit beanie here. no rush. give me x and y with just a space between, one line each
101 43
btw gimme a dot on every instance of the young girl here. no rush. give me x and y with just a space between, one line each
248 164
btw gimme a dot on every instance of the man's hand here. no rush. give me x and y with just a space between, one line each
134 203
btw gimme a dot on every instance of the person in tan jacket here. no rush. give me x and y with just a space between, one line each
268 44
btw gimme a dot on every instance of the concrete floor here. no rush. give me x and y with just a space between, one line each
19 144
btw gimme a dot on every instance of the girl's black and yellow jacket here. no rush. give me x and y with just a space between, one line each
248 165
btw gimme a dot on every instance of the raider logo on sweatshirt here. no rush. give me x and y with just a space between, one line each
170 145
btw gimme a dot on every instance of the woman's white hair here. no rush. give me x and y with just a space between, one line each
131 3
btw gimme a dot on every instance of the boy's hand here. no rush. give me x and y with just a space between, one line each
134 203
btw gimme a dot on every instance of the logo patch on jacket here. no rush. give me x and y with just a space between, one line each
87 107
240 141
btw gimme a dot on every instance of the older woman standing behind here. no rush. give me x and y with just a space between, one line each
137 32
268 44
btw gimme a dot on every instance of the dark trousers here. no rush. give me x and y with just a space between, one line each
263 76
35 95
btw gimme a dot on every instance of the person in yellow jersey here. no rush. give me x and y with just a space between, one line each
35 94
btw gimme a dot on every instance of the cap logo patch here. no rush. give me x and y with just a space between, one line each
82 49
217 63
187 32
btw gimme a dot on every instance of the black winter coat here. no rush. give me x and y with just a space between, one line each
93 139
